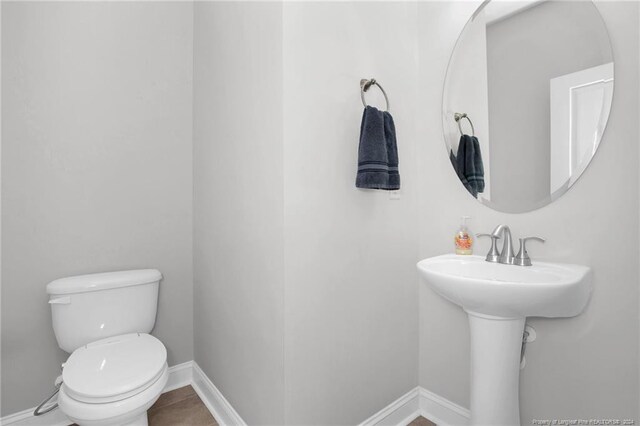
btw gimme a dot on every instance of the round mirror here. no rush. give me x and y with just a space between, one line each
526 100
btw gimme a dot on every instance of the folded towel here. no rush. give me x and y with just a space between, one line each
469 165
378 151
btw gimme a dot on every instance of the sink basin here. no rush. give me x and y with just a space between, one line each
497 299
542 290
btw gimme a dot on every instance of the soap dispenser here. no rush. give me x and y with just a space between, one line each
463 238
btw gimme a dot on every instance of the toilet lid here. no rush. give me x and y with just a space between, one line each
114 368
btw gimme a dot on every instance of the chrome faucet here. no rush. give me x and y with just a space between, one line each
522 258
506 256
493 254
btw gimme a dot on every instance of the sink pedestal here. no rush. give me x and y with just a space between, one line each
497 299
495 369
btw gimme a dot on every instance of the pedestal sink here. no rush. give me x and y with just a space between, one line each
497 299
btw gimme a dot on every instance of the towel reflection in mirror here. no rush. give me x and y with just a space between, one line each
468 165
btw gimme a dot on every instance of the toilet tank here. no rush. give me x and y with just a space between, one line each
87 308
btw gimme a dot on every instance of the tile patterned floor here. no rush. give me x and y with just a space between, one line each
180 407
183 407
421 421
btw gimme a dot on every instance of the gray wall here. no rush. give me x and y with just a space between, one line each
0 211
96 168
585 367
287 251
350 282
238 205
525 51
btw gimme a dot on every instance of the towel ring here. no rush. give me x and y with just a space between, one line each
366 85
459 116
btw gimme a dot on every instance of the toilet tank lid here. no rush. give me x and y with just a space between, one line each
103 281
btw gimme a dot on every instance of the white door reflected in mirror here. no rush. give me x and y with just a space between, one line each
580 105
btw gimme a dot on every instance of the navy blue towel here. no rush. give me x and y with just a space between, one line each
468 164
378 151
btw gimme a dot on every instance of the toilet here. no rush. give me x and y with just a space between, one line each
116 369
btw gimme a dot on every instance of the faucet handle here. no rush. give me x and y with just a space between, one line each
522 258
493 254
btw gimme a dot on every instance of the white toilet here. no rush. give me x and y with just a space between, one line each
116 370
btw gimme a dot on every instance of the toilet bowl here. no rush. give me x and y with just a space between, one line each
114 381
116 369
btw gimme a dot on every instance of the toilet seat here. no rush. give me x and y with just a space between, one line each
114 369
128 411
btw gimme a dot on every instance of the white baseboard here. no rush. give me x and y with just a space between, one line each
398 412
26 418
179 375
416 402
220 408
442 411
420 402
